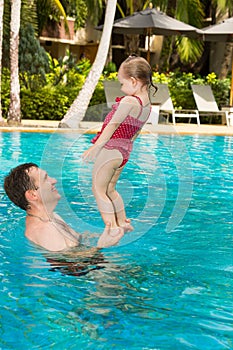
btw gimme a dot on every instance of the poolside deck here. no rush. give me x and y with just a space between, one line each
93 127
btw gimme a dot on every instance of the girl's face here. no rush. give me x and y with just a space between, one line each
128 84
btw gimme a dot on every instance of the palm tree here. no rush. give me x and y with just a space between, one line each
14 117
78 108
14 113
190 12
1 37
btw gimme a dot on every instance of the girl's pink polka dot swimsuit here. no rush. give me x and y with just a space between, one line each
121 139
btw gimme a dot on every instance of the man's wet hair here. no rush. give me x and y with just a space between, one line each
17 182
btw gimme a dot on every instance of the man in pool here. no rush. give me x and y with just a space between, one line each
34 191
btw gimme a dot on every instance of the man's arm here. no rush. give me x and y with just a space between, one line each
106 240
49 238
46 236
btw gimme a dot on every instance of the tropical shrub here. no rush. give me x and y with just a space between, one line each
45 103
180 87
51 102
33 59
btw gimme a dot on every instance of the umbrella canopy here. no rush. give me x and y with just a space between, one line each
153 22
221 32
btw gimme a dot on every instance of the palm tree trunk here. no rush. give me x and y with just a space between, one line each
1 36
14 117
79 107
226 64
131 44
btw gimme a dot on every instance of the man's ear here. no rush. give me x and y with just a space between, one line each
31 195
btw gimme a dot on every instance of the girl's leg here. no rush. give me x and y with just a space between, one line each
118 202
104 169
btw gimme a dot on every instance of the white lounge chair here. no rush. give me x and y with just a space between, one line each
206 103
112 89
162 97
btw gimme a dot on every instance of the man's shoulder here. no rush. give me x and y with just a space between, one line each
44 235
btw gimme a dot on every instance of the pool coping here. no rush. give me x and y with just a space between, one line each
93 127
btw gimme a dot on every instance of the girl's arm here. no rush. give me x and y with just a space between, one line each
119 116
123 110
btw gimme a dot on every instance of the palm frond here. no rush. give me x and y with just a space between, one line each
189 50
95 10
29 15
191 12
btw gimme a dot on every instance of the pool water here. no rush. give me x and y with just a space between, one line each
167 285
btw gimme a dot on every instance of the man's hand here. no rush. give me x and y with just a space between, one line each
108 240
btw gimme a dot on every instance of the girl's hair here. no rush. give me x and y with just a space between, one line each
140 69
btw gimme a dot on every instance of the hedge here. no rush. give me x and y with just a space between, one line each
51 102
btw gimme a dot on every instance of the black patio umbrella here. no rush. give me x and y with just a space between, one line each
152 21
221 32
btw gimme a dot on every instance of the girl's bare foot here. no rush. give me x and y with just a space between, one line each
127 226
115 231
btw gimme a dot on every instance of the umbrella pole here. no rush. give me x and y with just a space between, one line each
148 46
148 54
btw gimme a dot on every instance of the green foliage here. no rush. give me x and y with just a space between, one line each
66 72
6 34
60 69
189 50
84 66
181 94
44 11
74 78
5 91
33 59
190 11
110 68
109 76
51 102
81 13
180 87
82 10
221 88
46 103
64 81
29 14
160 78
95 10
50 12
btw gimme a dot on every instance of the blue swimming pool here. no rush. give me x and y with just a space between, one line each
168 285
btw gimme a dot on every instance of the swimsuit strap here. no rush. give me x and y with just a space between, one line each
140 101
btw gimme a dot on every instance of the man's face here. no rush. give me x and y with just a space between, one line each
45 186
